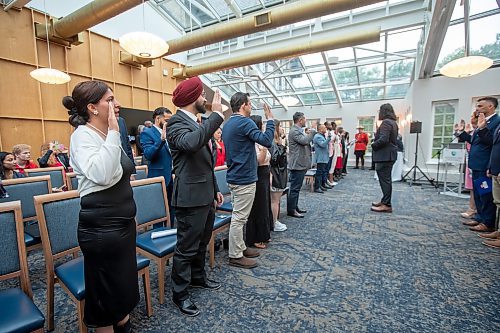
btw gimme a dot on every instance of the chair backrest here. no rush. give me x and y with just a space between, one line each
150 197
58 216
141 172
14 262
56 174
220 174
24 189
71 181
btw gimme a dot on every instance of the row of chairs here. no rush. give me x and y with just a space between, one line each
57 214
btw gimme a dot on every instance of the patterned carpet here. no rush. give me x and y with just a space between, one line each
341 269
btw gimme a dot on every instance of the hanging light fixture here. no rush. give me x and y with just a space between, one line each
143 44
289 100
49 75
467 65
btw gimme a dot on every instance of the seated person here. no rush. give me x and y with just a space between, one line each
54 154
22 153
8 166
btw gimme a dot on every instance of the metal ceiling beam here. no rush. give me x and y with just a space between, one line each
269 87
441 16
16 3
234 7
332 79
385 52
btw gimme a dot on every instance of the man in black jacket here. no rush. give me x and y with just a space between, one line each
385 153
195 189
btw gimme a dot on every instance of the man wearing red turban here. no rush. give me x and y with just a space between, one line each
195 189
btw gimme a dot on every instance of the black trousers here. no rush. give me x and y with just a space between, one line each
384 171
296 180
321 175
194 229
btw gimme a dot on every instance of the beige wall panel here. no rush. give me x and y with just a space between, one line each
155 100
155 74
75 79
122 72
102 66
19 92
52 96
79 57
140 97
57 55
124 95
140 77
167 102
59 131
16 34
14 131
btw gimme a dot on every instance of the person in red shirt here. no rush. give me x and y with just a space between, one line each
220 149
360 147
22 152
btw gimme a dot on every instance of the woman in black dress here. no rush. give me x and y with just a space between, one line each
106 231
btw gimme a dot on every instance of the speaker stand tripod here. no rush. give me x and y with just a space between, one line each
416 168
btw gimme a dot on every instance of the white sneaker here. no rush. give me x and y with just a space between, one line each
278 226
333 184
329 182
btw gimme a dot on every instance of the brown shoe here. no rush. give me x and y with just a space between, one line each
251 253
481 228
471 223
377 204
382 209
492 243
468 214
243 262
490 235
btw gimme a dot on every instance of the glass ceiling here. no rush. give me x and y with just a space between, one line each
374 71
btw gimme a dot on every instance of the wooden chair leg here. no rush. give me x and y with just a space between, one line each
79 307
211 251
147 291
50 303
161 279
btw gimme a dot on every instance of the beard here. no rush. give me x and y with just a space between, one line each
200 107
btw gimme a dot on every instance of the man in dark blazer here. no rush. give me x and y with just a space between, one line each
481 141
124 138
155 149
195 189
385 154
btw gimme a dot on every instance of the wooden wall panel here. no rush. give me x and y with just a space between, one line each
155 100
102 66
16 34
124 95
167 102
122 72
57 55
79 59
52 96
19 94
140 99
26 131
58 130
139 78
155 74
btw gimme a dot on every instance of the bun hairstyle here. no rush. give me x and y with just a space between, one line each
84 93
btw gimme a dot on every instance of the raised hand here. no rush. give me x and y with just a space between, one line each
164 132
217 101
481 120
460 127
112 121
468 127
267 111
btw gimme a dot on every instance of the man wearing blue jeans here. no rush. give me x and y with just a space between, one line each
299 161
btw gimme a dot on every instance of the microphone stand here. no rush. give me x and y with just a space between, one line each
438 154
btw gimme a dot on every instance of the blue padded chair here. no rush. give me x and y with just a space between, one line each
58 216
220 175
150 197
18 313
141 172
24 189
221 223
71 181
56 175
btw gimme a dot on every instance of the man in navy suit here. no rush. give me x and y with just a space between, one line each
157 152
481 141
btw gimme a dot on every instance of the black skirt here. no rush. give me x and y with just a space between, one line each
107 234
260 219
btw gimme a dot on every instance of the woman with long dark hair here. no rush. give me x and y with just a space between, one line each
8 166
385 153
279 175
106 230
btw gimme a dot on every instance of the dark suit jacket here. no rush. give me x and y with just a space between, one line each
384 146
481 143
157 153
195 184
495 153
124 139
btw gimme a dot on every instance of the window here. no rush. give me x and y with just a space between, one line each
286 125
337 121
444 120
312 123
369 127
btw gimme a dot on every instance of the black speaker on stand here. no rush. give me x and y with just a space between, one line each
416 128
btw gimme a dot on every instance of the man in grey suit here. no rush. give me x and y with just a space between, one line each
299 161
195 189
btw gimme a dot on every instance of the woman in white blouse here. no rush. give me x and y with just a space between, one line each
106 229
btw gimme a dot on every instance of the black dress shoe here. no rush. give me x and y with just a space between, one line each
187 307
324 189
207 284
295 214
318 191
301 211
325 185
